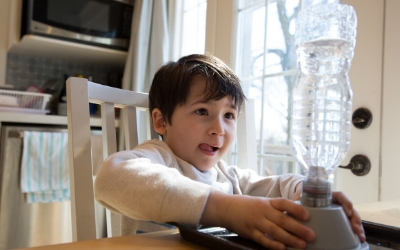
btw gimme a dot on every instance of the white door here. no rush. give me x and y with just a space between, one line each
390 152
374 78
366 81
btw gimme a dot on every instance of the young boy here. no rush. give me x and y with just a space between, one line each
194 105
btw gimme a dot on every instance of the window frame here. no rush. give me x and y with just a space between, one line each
222 41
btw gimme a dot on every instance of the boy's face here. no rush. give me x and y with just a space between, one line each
201 132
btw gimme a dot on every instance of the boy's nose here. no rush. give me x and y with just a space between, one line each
217 127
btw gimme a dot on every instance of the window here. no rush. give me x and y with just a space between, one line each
194 27
266 64
190 27
225 18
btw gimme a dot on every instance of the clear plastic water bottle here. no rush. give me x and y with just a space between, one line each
322 96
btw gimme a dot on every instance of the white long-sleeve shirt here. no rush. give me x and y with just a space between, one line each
150 183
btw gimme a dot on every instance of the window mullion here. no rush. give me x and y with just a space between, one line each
261 144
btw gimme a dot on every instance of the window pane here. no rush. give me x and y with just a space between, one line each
277 95
251 42
246 3
281 19
274 165
194 27
254 90
266 63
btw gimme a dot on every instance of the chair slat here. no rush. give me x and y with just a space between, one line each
79 146
130 127
108 129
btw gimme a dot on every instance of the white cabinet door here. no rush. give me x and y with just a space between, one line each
366 81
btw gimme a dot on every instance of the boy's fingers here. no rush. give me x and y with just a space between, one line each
297 193
267 242
286 224
296 196
292 208
291 225
359 230
275 233
342 199
357 226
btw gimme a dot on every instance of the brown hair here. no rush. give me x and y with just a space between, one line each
171 84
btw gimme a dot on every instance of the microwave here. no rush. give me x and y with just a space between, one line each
105 23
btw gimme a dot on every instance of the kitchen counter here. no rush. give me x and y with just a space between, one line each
30 118
381 221
383 212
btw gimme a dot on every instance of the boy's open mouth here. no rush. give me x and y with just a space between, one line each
208 148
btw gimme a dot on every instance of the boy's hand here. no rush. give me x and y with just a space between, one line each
354 217
256 217
341 198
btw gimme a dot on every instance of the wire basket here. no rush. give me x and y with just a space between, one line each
20 101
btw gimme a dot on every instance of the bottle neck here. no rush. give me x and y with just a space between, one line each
316 193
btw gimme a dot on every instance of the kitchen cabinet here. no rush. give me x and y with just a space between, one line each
39 46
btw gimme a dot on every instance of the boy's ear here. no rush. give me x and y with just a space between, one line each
158 122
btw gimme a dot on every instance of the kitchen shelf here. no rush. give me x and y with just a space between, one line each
33 45
41 119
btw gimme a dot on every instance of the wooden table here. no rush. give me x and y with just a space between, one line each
169 239
386 213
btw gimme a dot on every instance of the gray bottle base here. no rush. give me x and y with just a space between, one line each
332 228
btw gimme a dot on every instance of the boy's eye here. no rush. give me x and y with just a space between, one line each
229 116
201 112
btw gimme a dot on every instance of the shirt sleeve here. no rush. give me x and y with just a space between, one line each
250 183
143 187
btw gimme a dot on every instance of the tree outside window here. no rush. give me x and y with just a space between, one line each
266 64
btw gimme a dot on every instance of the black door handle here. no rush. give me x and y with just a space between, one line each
362 118
359 165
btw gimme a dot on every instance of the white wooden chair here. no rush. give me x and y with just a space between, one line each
80 92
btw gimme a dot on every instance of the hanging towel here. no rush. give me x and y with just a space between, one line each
44 167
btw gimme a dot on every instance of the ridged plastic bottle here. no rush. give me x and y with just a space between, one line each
322 95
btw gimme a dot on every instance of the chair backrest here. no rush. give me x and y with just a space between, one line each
81 92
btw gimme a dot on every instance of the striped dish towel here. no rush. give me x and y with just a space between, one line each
44 167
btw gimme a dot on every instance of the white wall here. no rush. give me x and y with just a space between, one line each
220 27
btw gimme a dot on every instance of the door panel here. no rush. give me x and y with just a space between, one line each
390 172
365 78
